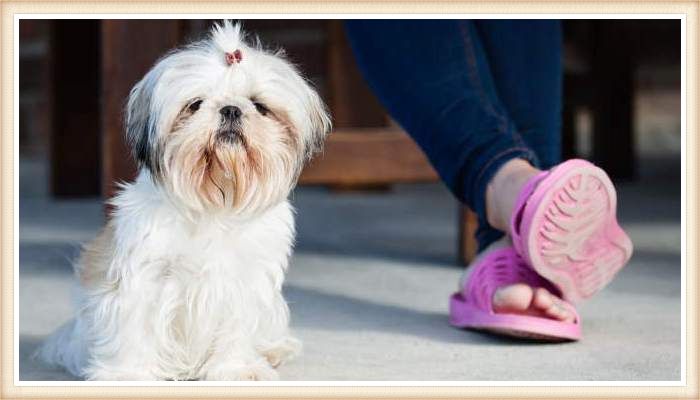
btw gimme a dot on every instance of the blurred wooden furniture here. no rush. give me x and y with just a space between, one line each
362 138
366 148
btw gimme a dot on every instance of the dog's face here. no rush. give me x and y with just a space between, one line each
224 125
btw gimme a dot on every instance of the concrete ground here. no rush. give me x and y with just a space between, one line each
369 284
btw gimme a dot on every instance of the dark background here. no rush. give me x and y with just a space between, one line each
74 75
621 102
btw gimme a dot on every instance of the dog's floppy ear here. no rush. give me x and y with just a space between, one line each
140 129
320 122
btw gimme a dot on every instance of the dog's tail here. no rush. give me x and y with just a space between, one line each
64 348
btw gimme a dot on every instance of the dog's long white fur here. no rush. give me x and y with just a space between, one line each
191 298
178 285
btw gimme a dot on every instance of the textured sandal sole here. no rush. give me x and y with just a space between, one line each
573 238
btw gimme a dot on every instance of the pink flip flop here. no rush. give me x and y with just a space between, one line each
472 307
564 225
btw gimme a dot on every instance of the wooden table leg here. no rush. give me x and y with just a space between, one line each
613 105
74 113
467 228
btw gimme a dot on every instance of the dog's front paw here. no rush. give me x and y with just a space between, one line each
281 351
258 371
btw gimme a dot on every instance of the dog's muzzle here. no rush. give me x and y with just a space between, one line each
230 127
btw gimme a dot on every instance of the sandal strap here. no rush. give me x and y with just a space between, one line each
499 268
519 209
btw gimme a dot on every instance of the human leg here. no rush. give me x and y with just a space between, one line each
571 235
435 80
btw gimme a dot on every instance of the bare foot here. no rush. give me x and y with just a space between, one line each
523 299
501 195
504 189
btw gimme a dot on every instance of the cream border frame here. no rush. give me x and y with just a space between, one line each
8 217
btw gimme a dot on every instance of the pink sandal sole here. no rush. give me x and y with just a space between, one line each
564 225
472 307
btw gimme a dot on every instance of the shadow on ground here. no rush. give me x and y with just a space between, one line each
369 284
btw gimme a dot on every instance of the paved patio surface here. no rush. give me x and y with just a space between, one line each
369 284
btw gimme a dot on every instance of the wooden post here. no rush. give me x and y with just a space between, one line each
569 142
467 245
74 111
351 101
613 112
129 49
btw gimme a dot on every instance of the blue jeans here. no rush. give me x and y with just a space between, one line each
473 94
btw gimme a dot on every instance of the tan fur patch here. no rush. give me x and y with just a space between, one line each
95 259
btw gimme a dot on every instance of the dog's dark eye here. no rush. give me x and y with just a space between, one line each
194 106
261 108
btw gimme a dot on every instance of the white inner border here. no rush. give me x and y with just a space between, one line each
681 17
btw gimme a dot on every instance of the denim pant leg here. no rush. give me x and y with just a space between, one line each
525 57
434 78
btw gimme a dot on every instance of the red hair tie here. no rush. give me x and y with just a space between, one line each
234 57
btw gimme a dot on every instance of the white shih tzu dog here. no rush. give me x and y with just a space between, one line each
185 280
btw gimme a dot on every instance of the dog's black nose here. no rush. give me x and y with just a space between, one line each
231 112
